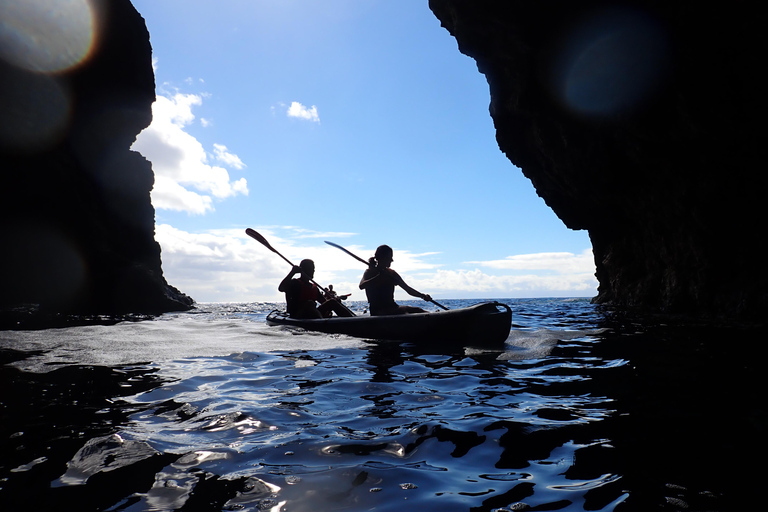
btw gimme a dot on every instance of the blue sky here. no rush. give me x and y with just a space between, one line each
355 121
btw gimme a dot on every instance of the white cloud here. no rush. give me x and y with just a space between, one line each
229 266
475 283
191 81
558 262
300 111
223 155
325 235
169 195
219 266
184 179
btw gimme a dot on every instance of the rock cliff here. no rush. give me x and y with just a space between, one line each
75 213
641 122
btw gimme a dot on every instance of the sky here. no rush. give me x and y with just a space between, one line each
353 121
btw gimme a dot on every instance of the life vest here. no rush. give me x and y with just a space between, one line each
307 291
300 294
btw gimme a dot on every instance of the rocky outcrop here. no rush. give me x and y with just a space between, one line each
75 213
640 122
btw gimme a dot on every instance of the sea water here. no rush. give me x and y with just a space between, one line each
584 408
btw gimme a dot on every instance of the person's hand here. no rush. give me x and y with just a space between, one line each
296 270
426 297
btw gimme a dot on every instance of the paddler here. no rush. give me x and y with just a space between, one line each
379 283
302 296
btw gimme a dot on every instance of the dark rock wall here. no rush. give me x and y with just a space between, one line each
75 212
641 122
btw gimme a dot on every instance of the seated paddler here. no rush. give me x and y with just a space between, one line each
379 283
303 297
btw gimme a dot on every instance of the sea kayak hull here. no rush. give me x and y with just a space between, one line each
483 324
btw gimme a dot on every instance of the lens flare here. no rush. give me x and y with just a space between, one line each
36 110
610 63
46 36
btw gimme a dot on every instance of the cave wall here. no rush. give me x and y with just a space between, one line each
75 210
640 122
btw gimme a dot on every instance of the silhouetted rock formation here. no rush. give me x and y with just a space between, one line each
641 122
75 211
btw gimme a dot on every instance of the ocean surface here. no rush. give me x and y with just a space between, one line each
585 408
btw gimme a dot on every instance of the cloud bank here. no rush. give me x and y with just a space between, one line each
228 266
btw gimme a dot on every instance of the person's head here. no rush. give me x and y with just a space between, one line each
384 255
307 268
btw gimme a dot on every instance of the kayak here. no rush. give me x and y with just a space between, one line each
483 324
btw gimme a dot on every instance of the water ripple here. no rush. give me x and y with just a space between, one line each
578 412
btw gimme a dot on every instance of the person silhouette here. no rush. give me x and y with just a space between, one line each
379 283
302 295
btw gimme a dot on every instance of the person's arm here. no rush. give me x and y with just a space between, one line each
322 296
285 283
409 290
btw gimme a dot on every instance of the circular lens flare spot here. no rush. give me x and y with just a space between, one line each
36 110
46 36
610 63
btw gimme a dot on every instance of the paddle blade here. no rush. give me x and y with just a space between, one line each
256 236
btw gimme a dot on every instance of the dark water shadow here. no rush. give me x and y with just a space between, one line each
45 420
689 422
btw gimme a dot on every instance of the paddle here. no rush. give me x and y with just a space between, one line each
263 241
358 258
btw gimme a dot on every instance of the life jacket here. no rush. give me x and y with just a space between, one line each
307 291
299 294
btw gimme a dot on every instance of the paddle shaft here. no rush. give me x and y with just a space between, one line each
358 258
263 241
